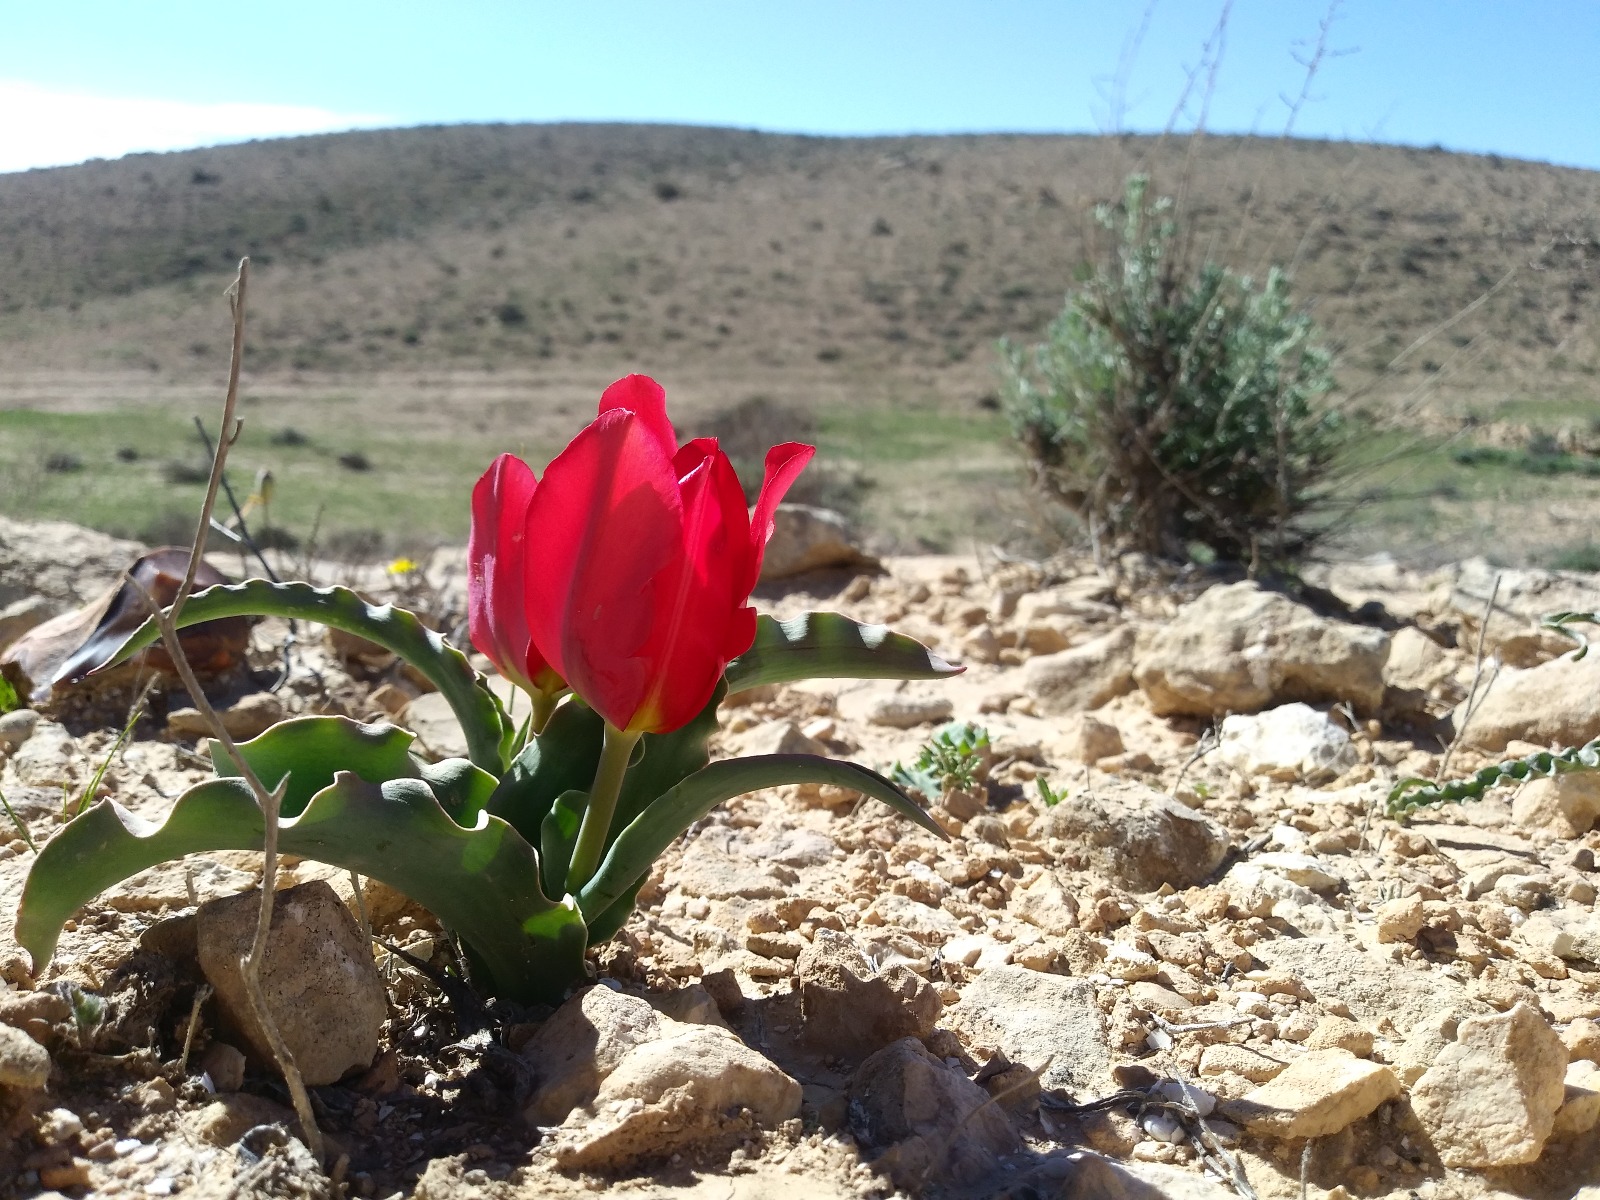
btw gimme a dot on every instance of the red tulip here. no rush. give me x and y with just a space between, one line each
497 551
643 557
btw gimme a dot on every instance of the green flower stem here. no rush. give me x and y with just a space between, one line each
543 705
614 755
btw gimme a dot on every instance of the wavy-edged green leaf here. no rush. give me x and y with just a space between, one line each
561 759
482 881
489 732
637 847
825 645
1561 622
461 786
1413 793
312 750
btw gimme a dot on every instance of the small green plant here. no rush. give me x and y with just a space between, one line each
1412 793
950 760
1048 794
1170 407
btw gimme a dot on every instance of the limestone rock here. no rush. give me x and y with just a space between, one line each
1416 662
1319 1093
908 712
1552 704
1491 1098
580 1045
1047 905
1083 677
779 737
62 563
24 1063
1290 742
1373 988
1238 648
805 538
1140 837
1566 805
322 989
1225 1058
1521 600
16 727
931 1120
1580 1104
1033 1017
685 1087
252 716
1091 1177
1089 739
853 1009
1401 919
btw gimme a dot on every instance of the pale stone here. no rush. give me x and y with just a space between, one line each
806 538
1320 1093
586 1039
1401 919
849 1007
1290 742
1552 704
24 1064
692 1084
321 987
1580 1104
1239 648
1141 838
1035 1018
1491 1098
1225 1058
1088 739
930 1121
1083 677
1567 805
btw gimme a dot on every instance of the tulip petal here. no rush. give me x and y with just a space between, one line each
784 464
647 400
703 621
607 527
497 618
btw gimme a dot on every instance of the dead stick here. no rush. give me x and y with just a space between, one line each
270 802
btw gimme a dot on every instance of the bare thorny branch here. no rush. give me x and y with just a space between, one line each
270 801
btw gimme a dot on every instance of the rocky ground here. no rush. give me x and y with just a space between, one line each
1172 948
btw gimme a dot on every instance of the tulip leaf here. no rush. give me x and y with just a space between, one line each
636 848
312 750
489 732
824 645
561 759
482 881
558 836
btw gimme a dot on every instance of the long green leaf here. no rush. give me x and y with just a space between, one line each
312 750
482 882
824 645
483 719
644 840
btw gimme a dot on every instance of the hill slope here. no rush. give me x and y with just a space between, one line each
499 245
487 279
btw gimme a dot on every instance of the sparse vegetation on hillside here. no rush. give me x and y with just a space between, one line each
501 274
1174 404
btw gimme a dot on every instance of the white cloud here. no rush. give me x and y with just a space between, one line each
41 127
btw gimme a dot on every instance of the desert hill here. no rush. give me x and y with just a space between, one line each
470 288
496 246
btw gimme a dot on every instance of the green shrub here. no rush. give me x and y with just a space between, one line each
1171 407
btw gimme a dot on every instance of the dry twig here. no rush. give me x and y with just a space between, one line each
270 801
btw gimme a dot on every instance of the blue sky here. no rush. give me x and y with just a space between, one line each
104 77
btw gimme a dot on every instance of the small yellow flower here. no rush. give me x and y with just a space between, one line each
402 566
